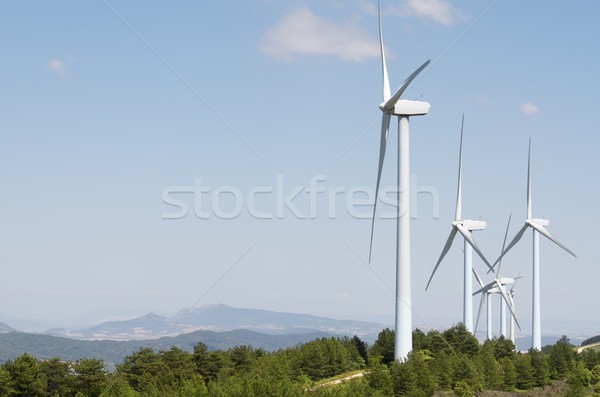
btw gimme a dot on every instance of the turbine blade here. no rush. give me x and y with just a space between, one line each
390 103
469 237
444 252
503 245
512 243
529 181
483 296
486 288
514 284
479 280
546 233
385 128
458 212
386 82
509 302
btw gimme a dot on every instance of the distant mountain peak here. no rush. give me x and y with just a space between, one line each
152 315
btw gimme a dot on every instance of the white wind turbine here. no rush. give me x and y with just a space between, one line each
539 227
465 227
393 105
495 288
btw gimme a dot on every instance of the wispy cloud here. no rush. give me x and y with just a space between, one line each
58 67
529 108
438 11
303 32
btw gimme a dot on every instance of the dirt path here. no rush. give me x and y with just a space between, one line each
582 348
338 381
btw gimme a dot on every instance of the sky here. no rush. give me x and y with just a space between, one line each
161 156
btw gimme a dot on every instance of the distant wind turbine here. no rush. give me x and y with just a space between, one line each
539 227
465 227
392 105
498 287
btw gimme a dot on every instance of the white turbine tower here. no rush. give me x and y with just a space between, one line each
465 227
393 105
539 227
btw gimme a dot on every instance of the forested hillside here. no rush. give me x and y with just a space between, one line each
13 344
594 339
452 361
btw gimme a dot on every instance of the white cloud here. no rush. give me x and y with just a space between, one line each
58 67
303 32
529 108
438 11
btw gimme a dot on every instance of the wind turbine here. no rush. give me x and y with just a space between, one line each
392 105
539 227
465 227
499 286
496 287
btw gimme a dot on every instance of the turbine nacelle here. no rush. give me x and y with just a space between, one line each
539 222
471 225
405 107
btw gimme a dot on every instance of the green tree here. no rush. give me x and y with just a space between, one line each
595 375
27 376
492 371
509 374
501 347
323 358
362 350
425 380
541 367
90 376
141 369
379 378
590 357
461 340
419 340
435 343
463 389
193 387
404 380
525 372
58 379
208 364
6 383
180 364
562 358
384 346
118 387
443 368
578 380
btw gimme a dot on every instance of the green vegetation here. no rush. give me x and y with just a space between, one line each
442 363
592 340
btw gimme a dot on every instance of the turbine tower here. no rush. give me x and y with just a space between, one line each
465 228
392 105
538 227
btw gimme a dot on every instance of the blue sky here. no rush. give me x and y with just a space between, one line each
105 105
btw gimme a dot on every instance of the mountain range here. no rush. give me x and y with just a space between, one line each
220 318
